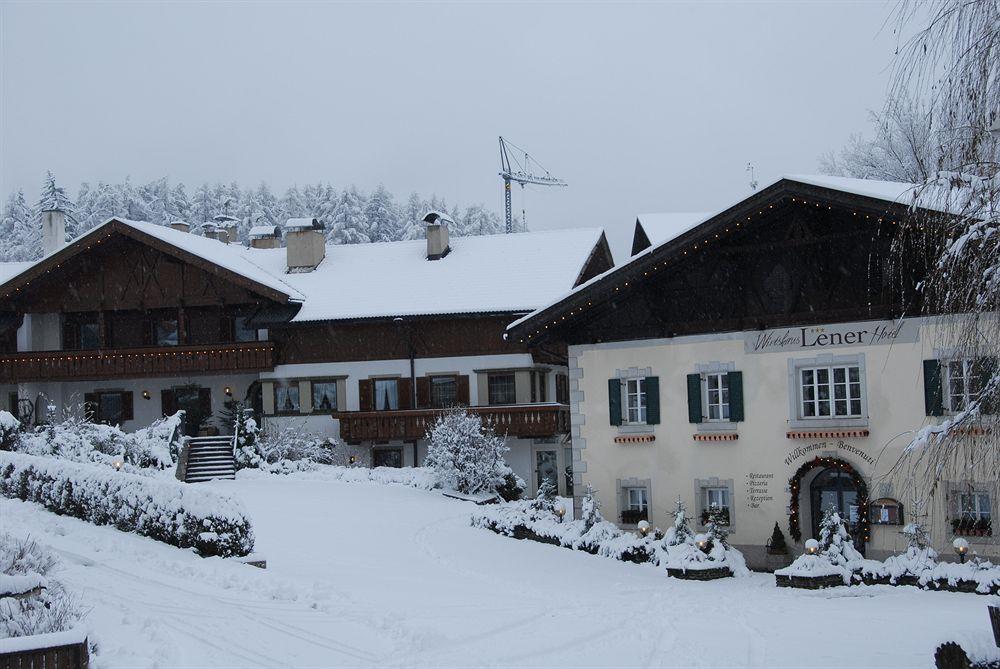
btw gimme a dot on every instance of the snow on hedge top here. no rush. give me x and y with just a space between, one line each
481 274
662 227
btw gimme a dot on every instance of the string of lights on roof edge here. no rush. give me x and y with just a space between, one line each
663 264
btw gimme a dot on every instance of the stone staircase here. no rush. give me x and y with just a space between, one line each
206 458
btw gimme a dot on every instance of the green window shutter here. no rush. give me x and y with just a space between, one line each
694 398
652 400
615 401
735 397
933 388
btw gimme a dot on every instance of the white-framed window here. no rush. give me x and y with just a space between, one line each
975 506
717 497
716 388
635 400
830 392
636 499
963 383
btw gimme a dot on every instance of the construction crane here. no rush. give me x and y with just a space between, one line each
512 169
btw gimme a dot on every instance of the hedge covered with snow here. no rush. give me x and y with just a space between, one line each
31 601
176 514
675 550
414 477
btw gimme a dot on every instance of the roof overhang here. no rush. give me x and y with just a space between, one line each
98 235
619 280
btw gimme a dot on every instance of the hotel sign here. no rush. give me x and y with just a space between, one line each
823 337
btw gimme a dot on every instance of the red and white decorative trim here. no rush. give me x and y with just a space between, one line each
635 438
725 436
826 434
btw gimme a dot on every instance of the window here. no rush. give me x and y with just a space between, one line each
539 391
717 396
243 331
81 332
975 514
562 388
635 400
112 407
444 392
500 388
386 394
165 331
964 382
324 395
286 397
636 503
715 498
831 392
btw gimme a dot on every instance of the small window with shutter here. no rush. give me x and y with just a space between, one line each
634 400
715 397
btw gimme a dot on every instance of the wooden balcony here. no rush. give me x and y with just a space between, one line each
521 420
246 357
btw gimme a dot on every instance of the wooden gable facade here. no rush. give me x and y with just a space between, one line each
790 254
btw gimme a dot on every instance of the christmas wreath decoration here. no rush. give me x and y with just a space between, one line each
795 484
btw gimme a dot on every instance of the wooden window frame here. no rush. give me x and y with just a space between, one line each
434 404
314 408
968 372
831 386
722 405
640 396
490 376
278 385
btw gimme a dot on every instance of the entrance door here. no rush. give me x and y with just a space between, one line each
196 403
834 489
546 468
387 457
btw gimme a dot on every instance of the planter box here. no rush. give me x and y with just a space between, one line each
41 651
700 574
809 582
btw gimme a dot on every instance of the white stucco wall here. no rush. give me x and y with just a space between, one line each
675 461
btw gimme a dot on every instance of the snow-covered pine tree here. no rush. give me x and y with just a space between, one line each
834 539
246 434
202 206
680 532
293 205
545 498
53 197
466 454
22 238
717 526
382 216
179 207
590 509
349 224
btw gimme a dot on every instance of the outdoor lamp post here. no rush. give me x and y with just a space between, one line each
643 527
560 511
812 547
701 541
117 464
961 547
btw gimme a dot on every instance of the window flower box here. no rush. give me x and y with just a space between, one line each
723 516
633 516
971 527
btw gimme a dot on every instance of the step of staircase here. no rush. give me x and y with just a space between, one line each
209 458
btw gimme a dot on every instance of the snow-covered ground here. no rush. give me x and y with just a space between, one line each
366 574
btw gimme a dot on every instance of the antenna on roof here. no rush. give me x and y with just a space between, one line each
753 180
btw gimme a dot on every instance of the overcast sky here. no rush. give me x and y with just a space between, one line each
640 107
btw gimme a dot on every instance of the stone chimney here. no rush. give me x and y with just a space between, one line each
265 237
437 235
305 244
53 230
210 230
180 226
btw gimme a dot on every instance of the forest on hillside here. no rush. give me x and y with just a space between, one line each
349 215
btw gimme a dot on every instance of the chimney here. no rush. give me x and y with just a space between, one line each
226 226
265 237
180 226
53 230
437 235
305 245
210 230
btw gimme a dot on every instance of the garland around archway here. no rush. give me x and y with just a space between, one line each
795 484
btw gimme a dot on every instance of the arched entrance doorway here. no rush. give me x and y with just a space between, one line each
828 482
834 489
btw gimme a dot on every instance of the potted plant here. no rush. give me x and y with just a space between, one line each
777 556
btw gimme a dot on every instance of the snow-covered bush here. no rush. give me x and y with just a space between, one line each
466 454
590 509
717 526
174 513
680 532
10 431
292 444
79 440
835 542
31 602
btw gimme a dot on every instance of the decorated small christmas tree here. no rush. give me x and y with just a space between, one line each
545 499
245 435
680 532
717 526
776 545
590 509
835 541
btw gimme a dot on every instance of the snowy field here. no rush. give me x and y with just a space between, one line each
362 574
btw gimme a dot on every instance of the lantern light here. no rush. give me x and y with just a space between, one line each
812 546
643 527
961 547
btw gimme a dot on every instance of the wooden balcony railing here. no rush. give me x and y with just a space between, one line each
521 420
136 362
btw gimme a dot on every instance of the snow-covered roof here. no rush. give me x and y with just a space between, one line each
890 191
303 224
481 274
661 227
258 231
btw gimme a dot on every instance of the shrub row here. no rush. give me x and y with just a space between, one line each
176 514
